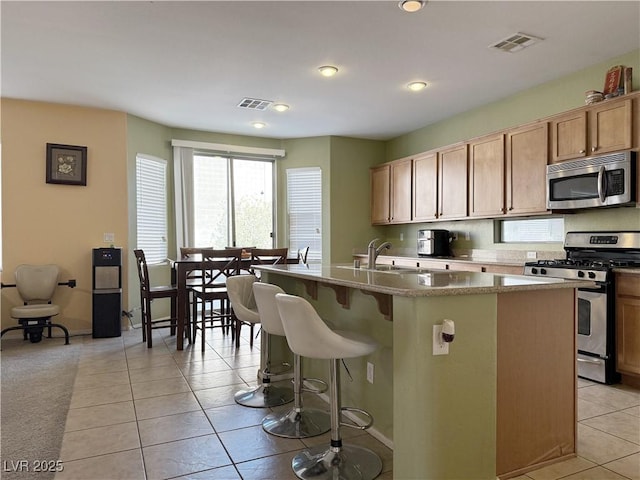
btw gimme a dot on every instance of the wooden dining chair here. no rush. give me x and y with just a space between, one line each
268 256
216 266
303 253
150 293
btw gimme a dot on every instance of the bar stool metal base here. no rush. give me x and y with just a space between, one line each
297 423
266 395
346 463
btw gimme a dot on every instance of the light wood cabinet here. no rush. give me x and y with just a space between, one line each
380 194
401 176
628 324
486 176
597 129
391 192
452 183
425 187
527 153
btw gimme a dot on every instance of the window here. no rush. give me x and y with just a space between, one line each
304 208
232 202
539 230
151 207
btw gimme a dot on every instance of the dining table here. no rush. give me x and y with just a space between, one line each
180 270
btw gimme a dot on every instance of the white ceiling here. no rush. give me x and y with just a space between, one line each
188 64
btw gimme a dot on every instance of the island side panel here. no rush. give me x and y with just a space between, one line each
444 420
536 379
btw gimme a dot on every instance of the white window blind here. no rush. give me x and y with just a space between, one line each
304 207
151 205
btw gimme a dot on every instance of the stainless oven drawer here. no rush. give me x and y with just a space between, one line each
591 368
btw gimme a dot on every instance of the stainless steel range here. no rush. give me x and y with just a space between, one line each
593 256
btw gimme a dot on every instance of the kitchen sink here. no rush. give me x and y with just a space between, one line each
387 269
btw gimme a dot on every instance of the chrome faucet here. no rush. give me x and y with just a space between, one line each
373 252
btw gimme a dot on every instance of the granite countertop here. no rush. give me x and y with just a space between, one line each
420 282
629 270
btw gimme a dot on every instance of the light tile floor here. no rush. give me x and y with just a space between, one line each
608 436
139 413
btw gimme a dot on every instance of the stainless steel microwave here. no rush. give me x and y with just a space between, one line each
600 181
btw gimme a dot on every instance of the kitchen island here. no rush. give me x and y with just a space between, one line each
502 402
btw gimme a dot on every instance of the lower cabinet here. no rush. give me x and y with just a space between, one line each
628 324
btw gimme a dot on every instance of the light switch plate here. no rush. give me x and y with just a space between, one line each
108 237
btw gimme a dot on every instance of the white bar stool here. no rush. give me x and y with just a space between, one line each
298 422
240 291
309 336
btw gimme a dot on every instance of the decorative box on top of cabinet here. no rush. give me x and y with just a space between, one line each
600 128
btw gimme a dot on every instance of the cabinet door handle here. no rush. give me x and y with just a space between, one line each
581 151
593 149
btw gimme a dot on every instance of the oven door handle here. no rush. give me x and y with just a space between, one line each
602 184
585 360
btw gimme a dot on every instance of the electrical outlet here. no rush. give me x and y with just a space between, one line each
401 237
370 372
467 235
454 236
532 255
439 347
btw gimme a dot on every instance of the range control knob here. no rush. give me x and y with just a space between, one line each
543 271
592 275
534 270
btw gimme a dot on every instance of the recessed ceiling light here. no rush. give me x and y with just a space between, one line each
258 125
280 107
328 70
411 5
417 86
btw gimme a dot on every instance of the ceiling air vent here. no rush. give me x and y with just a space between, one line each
254 103
515 42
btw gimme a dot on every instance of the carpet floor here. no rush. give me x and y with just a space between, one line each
36 383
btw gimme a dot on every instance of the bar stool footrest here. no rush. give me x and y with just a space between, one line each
355 424
269 371
312 388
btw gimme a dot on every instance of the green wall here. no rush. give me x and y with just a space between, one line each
350 219
544 100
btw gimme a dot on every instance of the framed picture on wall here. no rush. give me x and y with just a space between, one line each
66 164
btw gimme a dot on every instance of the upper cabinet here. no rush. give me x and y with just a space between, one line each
600 128
486 176
527 153
425 187
401 191
452 184
503 173
380 194
391 186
